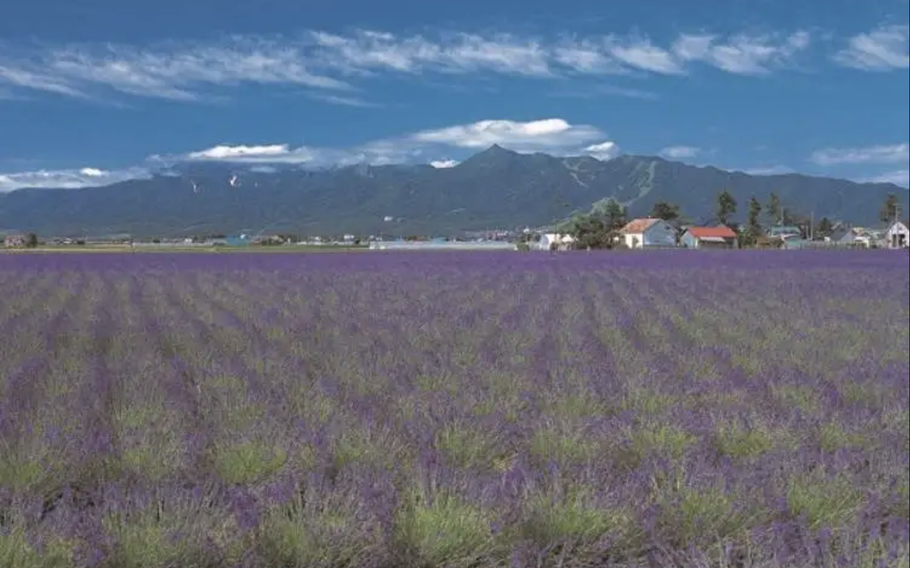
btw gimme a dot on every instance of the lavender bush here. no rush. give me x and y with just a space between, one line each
461 410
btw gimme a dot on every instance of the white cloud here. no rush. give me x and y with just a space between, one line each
897 177
16 76
443 164
883 154
550 134
878 50
67 179
189 71
343 101
680 152
602 151
594 91
227 153
766 170
553 135
741 54
642 54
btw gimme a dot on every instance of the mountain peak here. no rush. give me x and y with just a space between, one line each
491 155
497 150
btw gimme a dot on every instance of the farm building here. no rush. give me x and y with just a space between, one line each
442 245
842 237
709 237
648 232
897 236
14 240
238 241
784 231
549 241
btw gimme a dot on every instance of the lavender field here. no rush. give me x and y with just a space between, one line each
729 409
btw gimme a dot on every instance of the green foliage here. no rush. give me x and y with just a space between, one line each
663 439
775 210
703 516
466 446
890 209
825 502
572 519
824 227
742 443
247 462
753 223
833 436
666 211
443 530
563 445
16 552
726 207
300 535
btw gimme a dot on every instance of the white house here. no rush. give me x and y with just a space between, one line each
897 236
550 240
648 232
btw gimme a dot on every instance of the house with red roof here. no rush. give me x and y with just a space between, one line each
709 237
648 232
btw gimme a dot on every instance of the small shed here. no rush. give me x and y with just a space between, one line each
709 237
897 236
557 241
784 231
14 240
842 237
238 241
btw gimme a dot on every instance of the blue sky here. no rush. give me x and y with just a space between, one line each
96 91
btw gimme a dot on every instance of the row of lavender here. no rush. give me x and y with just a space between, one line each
728 409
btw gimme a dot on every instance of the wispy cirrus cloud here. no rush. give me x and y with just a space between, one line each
336 63
343 100
881 49
742 54
597 91
881 154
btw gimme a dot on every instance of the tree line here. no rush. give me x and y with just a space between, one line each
599 228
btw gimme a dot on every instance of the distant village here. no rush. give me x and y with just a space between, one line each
605 227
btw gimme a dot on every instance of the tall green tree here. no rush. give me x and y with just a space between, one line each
753 222
726 207
889 209
666 211
31 240
611 213
775 209
824 227
590 231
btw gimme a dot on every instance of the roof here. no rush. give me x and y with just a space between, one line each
783 230
638 225
840 234
713 239
722 232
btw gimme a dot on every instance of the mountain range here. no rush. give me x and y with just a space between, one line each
496 188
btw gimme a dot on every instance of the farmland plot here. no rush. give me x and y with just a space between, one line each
465 410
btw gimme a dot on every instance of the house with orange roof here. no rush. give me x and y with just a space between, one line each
709 237
648 232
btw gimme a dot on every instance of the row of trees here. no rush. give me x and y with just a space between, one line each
598 229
